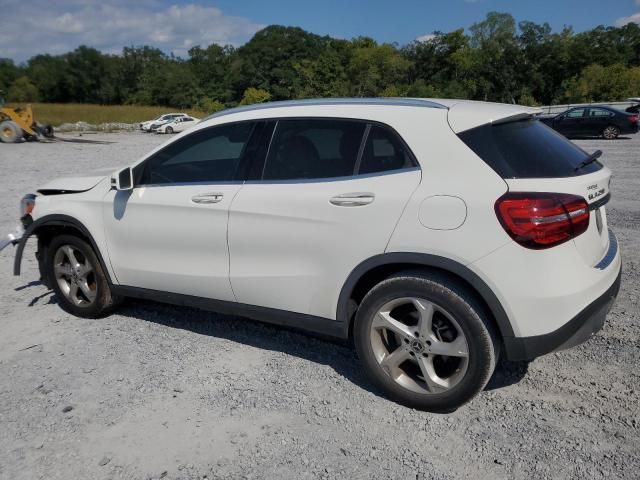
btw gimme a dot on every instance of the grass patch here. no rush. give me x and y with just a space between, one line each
59 113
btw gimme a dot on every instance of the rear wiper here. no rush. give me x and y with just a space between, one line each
590 159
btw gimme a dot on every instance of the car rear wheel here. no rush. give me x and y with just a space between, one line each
77 278
611 132
425 341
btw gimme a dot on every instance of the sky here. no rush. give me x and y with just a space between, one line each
58 26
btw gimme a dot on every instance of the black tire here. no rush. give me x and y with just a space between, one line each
10 132
482 340
169 130
104 302
610 132
47 131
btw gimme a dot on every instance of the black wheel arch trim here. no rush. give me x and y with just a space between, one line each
430 261
58 220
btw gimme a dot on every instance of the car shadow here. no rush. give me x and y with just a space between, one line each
33 283
336 354
598 138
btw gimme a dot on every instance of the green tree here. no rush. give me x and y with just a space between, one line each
22 90
268 60
254 95
598 83
498 59
210 67
8 73
209 105
326 74
373 68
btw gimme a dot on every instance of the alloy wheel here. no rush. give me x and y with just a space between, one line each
610 133
75 276
419 345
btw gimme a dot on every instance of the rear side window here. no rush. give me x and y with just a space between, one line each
599 112
384 152
314 148
527 149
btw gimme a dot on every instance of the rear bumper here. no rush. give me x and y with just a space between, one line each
578 330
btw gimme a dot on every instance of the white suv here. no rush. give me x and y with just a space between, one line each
433 233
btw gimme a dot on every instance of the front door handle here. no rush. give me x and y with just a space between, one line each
357 199
207 198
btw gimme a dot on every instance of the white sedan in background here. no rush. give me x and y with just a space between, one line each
178 125
146 126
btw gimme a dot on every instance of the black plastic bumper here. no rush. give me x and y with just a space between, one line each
578 330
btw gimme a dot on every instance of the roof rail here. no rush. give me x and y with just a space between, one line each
401 102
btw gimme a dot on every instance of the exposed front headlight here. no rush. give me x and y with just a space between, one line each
26 204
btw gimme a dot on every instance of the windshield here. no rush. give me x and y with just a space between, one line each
527 149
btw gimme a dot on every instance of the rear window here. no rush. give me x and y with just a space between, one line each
527 149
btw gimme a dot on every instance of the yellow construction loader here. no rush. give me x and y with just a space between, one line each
17 123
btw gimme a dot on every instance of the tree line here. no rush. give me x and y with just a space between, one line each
497 59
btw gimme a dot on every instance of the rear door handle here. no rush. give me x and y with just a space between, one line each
357 199
207 198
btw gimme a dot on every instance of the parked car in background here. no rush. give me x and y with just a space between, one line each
635 108
595 121
179 124
167 117
434 253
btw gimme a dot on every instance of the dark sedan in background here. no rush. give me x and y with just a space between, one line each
594 121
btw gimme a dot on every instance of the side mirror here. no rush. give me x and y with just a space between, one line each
123 180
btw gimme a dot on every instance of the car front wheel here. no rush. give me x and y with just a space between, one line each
77 278
425 341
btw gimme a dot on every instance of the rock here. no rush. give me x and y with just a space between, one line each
67 409
104 461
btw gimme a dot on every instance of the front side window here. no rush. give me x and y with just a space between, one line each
578 113
209 155
314 148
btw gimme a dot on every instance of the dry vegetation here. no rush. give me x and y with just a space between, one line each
59 113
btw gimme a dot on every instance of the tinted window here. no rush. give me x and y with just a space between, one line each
314 148
527 149
576 113
599 112
210 155
384 152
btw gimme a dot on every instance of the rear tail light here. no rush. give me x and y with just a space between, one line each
542 220
633 118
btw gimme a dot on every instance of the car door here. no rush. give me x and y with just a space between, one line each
187 122
572 122
599 119
327 198
170 232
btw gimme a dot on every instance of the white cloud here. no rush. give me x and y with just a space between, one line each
635 18
43 26
426 38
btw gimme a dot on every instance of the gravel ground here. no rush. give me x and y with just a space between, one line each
162 392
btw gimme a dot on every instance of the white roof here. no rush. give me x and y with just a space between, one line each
462 114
